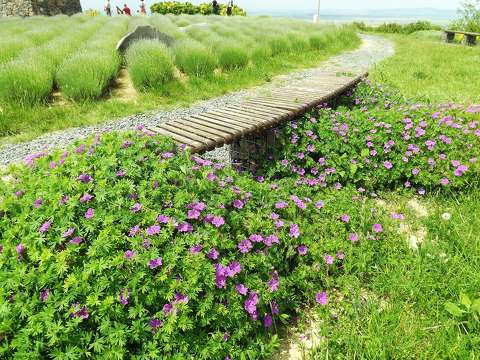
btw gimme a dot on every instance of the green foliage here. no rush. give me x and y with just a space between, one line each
395 28
389 146
469 17
150 64
232 57
193 58
179 8
80 230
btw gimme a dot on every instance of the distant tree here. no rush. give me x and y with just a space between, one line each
469 13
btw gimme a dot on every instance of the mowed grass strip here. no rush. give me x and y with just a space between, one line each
432 71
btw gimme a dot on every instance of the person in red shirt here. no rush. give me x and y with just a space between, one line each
126 10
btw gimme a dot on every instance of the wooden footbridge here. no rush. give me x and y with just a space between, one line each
208 130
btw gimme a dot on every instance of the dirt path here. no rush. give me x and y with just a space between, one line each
372 50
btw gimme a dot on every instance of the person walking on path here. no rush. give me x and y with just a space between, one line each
142 6
108 8
230 8
126 10
215 7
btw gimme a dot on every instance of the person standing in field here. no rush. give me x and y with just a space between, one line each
230 8
215 7
126 10
108 8
143 10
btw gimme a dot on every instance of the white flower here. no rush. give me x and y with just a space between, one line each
446 216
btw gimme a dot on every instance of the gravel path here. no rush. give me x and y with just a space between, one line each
372 50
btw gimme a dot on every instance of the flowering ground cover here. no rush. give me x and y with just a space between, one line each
125 247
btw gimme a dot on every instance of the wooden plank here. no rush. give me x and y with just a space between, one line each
189 135
177 138
244 111
210 124
269 112
228 136
242 128
198 131
256 121
248 124
292 107
285 99
265 120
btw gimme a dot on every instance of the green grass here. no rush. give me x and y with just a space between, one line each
150 64
192 58
432 71
397 309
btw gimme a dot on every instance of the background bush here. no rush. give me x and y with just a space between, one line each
150 64
179 8
193 58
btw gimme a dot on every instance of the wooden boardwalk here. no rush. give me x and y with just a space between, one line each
208 130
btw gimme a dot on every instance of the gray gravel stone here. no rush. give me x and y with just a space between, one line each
372 50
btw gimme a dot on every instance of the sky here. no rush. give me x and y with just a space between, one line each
306 4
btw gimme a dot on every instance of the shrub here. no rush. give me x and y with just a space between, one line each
395 28
194 59
278 45
121 248
232 57
383 146
469 16
318 41
150 64
178 8
87 74
25 82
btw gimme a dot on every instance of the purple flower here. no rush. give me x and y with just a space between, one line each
45 226
245 246
153 230
154 263
241 289
256 238
218 221
353 237
328 259
345 218
167 308
44 294
444 181
302 250
388 165
163 219
85 178
69 232
195 249
137 207
273 283
20 249
80 149
89 213
319 204
124 296
270 240
82 313
185 227
193 214
155 324
322 298
213 254
37 203
167 155
250 305
180 298
274 307
415 171
340 255
294 231
281 205
377 228
237 204
86 198
120 173
18 194
76 240
267 321
134 230
129 254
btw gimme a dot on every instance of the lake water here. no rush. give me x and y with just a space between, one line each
367 16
